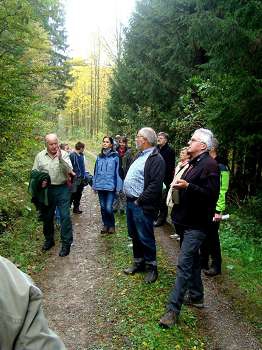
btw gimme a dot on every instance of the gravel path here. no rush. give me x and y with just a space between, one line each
73 302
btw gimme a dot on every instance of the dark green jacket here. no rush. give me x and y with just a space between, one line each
38 193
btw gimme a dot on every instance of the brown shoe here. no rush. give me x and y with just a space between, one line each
169 319
104 230
111 230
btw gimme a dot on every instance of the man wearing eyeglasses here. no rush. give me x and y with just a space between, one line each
198 194
143 188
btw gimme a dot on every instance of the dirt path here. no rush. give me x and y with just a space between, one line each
73 300
71 285
224 329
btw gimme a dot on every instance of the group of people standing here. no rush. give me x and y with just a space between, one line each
145 184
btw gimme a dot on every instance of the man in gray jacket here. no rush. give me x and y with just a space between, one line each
22 322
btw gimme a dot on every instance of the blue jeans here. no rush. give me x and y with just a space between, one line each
188 276
141 229
106 199
58 196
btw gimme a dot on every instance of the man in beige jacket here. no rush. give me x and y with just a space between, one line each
22 322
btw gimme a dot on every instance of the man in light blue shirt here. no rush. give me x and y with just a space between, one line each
143 188
134 181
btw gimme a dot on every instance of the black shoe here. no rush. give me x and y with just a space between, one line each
65 250
104 230
169 319
151 275
191 302
47 245
159 223
77 211
136 267
212 272
111 230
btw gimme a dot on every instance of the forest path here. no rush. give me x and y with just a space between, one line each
71 285
217 321
73 297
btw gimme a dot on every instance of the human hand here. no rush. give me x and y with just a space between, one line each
44 184
217 217
59 153
180 184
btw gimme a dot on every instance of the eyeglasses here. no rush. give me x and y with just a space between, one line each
139 136
195 140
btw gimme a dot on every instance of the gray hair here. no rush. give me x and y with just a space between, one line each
206 136
149 134
215 144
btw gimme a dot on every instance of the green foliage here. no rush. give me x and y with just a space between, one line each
189 64
241 240
20 232
31 78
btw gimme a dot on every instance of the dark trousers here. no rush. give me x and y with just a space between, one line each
106 200
76 196
188 275
211 248
141 229
58 196
163 209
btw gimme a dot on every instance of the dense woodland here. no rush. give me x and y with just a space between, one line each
192 63
34 70
180 64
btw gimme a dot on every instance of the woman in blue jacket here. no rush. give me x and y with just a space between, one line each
107 182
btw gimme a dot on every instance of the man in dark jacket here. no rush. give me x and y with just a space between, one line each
198 194
143 188
168 155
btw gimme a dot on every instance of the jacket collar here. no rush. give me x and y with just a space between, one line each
198 158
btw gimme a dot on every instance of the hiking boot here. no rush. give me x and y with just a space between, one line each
212 272
136 267
169 319
47 245
191 302
151 275
77 211
65 250
111 230
104 230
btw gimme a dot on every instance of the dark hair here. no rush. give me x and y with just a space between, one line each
79 145
162 133
110 139
63 145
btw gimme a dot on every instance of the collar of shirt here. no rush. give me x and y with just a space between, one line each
150 149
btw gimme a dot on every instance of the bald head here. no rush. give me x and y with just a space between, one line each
51 137
51 141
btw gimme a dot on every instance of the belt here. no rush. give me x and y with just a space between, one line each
131 199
